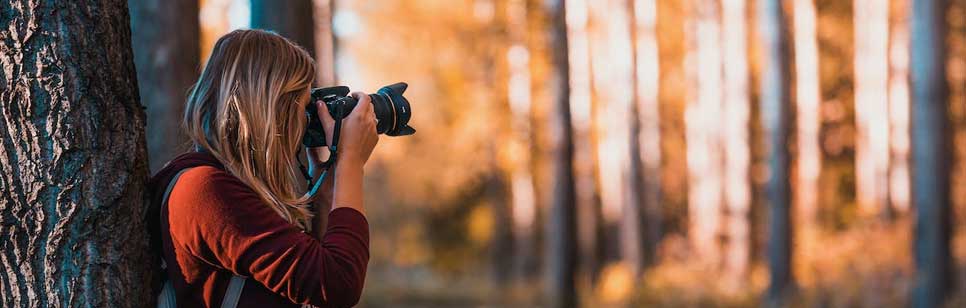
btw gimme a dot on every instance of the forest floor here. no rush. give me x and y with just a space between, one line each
865 266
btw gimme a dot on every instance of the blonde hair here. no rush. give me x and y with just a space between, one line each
247 110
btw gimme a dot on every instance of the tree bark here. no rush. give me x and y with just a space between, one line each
930 153
165 37
775 102
561 225
289 18
73 159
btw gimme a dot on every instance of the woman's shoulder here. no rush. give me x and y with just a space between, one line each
210 190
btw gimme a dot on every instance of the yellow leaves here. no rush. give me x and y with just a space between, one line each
480 224
616 283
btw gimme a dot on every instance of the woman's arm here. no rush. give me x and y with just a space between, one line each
358 139
322 204
218 219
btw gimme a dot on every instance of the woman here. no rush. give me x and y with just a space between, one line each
240 207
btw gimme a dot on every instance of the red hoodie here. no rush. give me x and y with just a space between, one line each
215 226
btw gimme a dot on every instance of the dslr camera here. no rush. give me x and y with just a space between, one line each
391 108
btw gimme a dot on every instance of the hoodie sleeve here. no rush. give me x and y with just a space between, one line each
223 222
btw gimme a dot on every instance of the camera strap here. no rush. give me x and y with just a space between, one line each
314 185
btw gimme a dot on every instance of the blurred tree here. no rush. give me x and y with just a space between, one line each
325 43
290 18
930 153
807 100
590 222
871 105
645 129
899 106
165 37
737 156
703 131
561 226
775 102
518 133
73 161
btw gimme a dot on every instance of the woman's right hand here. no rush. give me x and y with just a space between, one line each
358 133
358 138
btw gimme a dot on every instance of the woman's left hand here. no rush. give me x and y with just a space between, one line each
318 155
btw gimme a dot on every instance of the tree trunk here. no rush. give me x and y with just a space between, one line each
645 151
899 188
871 105
703 133
325 43
289 18
165 36
73 161
561 225
808 100
775 102
590 224
737 111
930 153
522 203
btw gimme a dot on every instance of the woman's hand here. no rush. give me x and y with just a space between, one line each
355 145
358 133
318 155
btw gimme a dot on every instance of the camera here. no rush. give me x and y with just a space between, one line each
390 106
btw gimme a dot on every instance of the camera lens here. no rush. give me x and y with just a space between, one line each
392 110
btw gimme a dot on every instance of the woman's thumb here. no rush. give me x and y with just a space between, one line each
324 112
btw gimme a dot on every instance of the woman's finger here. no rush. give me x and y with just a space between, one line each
365 104
323 112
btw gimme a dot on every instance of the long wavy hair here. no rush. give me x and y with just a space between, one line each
247 111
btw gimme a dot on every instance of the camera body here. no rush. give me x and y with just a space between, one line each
391 108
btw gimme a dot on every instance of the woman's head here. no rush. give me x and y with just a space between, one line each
247 110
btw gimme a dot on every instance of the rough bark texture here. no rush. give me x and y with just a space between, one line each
72 160
775 105
930 154
165 35
290 18
561 225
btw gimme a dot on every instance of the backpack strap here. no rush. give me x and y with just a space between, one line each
233 293
167 298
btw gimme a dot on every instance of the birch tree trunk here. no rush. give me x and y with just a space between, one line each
165 37
72 161
808 100
775 102
737 111
899 187
930 153
703 133
871 105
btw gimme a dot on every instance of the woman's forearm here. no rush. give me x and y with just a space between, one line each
323 204
348 186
